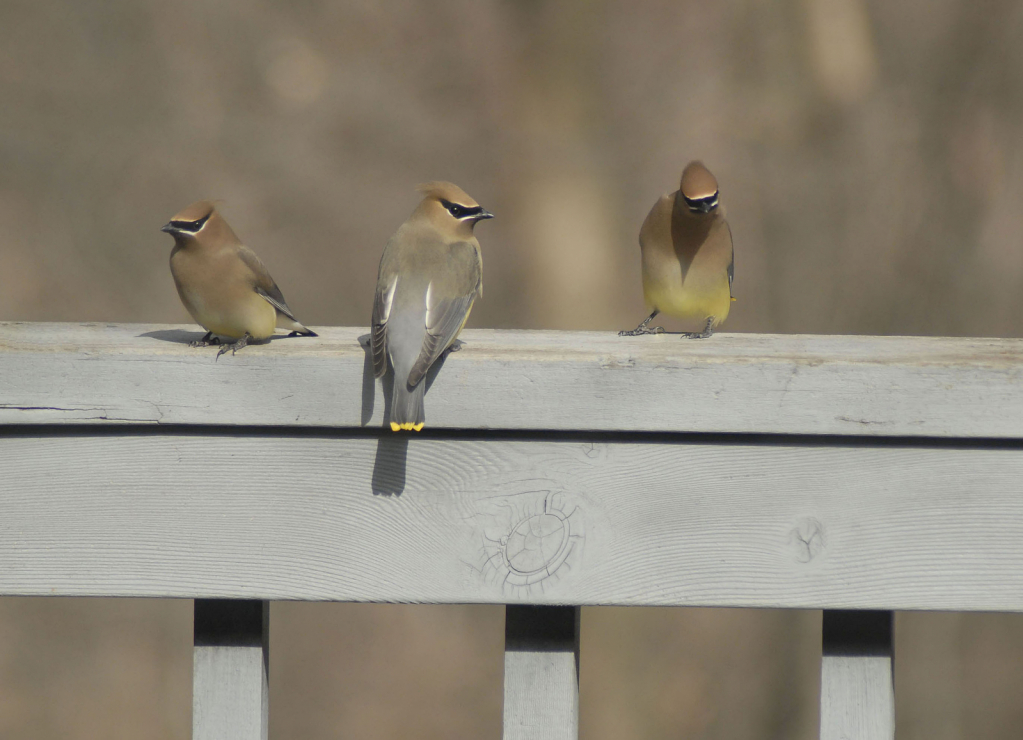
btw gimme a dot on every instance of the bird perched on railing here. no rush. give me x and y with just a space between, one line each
688 260
223 284
431 271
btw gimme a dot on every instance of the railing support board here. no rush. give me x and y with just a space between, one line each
541 673
230 670
857 689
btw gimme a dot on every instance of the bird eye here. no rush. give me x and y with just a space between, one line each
190 226
702 205
456 210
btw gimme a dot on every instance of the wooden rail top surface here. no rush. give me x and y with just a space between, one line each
878 473
524 380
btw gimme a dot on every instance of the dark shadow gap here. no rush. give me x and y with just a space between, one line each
512 435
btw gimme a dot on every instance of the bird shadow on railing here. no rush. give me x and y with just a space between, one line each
177 336
389 467
181 336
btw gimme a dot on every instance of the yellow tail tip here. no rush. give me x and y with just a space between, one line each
733 299
406 427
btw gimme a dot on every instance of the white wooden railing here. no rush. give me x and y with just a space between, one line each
858 475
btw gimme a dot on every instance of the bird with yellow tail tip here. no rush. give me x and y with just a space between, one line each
223 284
688 260
430 274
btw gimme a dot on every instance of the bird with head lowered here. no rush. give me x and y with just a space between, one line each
687 255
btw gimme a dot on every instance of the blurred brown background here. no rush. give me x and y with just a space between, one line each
870 154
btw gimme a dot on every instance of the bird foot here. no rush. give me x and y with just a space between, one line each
640 330
206 341
707 331
456 346
234 346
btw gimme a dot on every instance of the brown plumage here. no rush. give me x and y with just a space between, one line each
698 182
430 273
225 287
688 260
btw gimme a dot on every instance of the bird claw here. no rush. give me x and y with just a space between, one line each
206 341
234 346
707 331
640 330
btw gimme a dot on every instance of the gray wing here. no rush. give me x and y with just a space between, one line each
265 284
382 301
444 321
731 261
277 301
445 317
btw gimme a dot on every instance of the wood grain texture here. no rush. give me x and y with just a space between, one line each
743 383
857 690
230 670
541 673
448 520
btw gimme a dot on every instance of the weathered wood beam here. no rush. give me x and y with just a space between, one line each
541 673
353 516
230 670
857 690
524 380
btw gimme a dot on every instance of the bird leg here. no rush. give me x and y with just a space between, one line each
206 341
244 340
707 331
642 328
455 346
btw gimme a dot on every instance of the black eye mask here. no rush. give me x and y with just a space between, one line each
191 226
461 212
702 205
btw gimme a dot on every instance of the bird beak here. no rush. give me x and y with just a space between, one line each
169 228
484 214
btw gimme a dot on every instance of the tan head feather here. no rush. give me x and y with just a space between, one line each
698 182
447 191
199 209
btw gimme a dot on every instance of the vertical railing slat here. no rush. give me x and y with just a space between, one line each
541 673
230 688
857 688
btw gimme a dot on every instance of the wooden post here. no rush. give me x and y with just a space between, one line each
230 670
541 673
857 691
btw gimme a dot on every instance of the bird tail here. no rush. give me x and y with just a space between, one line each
296 328
407 411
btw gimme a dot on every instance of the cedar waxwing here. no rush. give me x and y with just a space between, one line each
430 274
223 284
688 261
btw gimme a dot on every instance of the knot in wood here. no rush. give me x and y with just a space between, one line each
807 539
537 546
